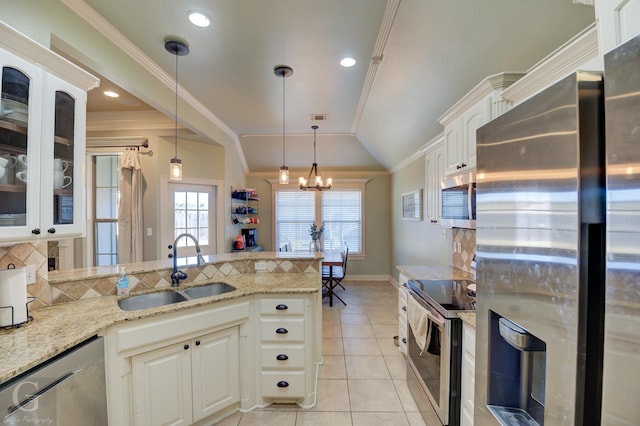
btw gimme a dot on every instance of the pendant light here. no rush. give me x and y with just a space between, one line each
314 181
177 48
283 71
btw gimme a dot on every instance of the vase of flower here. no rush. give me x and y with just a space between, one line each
316 234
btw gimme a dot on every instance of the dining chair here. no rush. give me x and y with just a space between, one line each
333 279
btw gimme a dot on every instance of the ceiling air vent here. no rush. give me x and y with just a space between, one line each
319 117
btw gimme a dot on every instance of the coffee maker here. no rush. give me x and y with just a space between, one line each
250 236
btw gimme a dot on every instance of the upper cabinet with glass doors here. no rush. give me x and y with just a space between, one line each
42 141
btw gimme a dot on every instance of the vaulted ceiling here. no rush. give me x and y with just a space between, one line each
415 58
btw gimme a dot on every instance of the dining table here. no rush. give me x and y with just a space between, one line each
331 259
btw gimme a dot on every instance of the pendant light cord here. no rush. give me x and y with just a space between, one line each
176 109
283 120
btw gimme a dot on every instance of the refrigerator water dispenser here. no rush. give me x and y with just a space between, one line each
517 361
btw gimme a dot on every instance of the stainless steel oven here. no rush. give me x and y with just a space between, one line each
434 337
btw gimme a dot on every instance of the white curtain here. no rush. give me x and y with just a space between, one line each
130 208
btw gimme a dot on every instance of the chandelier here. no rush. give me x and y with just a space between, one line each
314 182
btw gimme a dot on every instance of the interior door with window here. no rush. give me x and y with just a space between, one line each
193 211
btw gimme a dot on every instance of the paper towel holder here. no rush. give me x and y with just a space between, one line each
19 324
29 318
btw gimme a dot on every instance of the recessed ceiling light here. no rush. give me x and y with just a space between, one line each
111 94
347 62
199 18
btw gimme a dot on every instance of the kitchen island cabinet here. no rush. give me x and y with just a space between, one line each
187 381
205 363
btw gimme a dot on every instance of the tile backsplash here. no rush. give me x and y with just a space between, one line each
33 253
467 240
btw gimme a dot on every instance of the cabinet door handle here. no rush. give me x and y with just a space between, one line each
404 340
51 230
282 357
404 285
282 384
282 307
35 231
404 308
186 347
282 330
197 342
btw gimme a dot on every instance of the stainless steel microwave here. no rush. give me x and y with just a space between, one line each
459 201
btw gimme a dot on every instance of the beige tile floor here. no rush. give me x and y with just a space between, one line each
362 381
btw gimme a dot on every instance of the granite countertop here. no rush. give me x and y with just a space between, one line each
59 327
421 272
434 272
468 318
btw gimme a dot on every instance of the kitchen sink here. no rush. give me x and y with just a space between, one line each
161 298
150 300
208 290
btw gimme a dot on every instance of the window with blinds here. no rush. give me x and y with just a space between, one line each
342 218
295 212
339 210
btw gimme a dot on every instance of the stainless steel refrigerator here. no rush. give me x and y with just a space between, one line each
621 379
558 253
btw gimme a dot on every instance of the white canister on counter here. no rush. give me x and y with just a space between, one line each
13 293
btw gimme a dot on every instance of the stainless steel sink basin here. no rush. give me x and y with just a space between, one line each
150 300
161 298
208 290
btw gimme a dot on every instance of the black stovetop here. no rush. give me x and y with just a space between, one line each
449 297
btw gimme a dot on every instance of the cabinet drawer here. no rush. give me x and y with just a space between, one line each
282 307
291 356
402 298
283 385
282 330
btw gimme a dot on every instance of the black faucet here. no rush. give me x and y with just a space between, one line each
177 275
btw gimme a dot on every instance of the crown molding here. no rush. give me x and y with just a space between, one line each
429 146
499 81
27 48
568 58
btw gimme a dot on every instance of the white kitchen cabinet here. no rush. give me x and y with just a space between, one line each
434 173
618 21
479 106
177 368
403 292
467 392
187 381
285 356
42 118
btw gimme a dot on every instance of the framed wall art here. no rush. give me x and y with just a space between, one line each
412 205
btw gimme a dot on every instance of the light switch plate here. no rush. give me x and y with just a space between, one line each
31 274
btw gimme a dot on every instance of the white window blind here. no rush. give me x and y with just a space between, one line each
342 218
295 212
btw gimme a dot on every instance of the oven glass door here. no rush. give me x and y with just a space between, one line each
432 364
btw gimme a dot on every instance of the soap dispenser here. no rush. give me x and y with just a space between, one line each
123 283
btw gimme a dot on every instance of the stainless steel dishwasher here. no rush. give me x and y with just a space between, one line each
68 389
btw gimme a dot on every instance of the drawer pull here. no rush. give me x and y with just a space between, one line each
404 340
282 330
283 384
282 357
404 308
197 342
282 307
186 347
404 285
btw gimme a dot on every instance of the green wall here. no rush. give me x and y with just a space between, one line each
415 242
